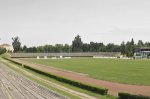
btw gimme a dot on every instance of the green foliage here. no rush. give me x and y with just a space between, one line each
24 49
86 47
2 50
95 46
140 43
147 44
130 48
123 48
112 48
16 44
66 48
47 48
77 44
130 96
132 42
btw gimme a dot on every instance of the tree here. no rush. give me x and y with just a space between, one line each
16 44
102 48
34 49
66 48
77 44
92 46
132 42
24 49
123 48
112 48
40 49
86 47
59 48
95 46
46 49
140 43
147 44
130 48
2 50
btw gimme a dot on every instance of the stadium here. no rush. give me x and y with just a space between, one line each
74 49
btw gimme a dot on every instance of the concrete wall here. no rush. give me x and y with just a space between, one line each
89 54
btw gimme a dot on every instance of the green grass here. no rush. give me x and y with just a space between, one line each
60 83
115 70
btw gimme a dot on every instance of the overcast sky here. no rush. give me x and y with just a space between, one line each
40 22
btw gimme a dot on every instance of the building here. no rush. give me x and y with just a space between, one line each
9 48
142 53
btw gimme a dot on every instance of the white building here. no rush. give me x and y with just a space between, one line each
9 48
142 53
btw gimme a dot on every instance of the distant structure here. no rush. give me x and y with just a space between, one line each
68 55
9 48
142 53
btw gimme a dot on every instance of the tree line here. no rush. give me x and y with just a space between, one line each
78 46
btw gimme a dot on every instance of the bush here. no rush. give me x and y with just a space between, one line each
91 88
130 96
2 50
12 61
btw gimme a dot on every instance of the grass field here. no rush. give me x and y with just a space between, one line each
115 70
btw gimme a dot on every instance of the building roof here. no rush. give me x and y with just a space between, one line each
139 49
5 45
145 48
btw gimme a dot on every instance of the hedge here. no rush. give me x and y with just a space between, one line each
95 89
12 61
131 96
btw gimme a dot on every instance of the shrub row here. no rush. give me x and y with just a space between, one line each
12 61
130 96
91 88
